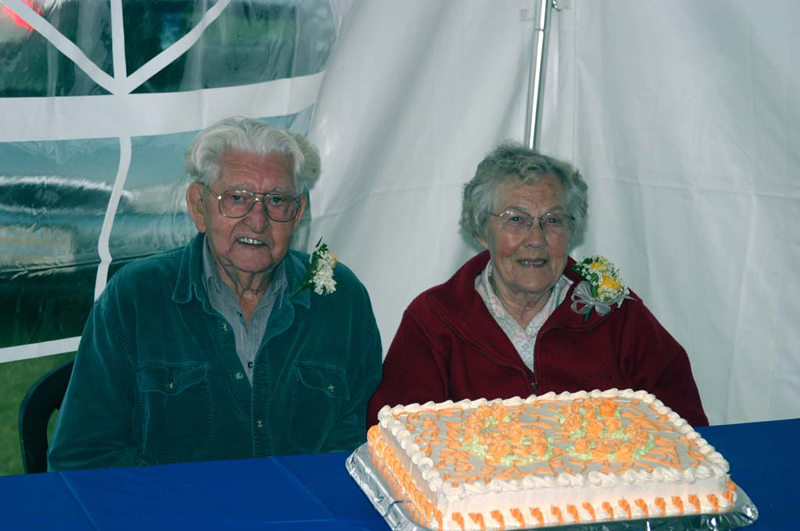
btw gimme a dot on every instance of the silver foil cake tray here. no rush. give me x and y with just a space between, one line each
398 517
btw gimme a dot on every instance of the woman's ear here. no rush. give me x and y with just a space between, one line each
195 204
482 242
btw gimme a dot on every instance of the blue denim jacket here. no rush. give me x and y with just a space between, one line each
157 378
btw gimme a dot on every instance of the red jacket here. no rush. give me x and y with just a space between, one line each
448 346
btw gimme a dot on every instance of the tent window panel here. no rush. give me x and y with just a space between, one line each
156 218
31 66
252 41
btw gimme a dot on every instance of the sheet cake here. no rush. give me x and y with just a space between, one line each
547 460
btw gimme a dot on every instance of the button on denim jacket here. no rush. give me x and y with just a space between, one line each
157 378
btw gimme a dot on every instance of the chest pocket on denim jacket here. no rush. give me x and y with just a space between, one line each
320 392
175 407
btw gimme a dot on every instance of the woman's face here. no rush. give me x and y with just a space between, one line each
527 263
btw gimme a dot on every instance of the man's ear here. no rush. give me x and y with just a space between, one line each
195 204
300 210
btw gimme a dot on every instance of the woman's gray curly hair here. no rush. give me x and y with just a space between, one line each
511 161
204 156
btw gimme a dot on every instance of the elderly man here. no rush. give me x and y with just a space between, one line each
233 346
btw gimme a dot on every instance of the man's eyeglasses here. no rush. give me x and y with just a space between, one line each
515 222
237 203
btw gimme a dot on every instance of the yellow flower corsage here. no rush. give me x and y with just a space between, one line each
601 288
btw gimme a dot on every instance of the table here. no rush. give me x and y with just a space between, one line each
314 492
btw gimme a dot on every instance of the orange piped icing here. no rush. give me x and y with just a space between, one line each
695 501
556 511
678 503
714 502
518 516
662 505
478 519
573 512
589 509
608 408
536 513
626 507
643 506
608 509
498 516
730 493
457 518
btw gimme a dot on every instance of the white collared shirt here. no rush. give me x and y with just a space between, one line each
524 340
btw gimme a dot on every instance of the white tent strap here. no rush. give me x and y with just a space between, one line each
151 114
120 72
38 350
118 45
111 211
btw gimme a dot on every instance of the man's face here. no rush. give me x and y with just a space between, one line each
253 244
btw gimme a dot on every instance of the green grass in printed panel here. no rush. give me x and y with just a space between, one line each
16 377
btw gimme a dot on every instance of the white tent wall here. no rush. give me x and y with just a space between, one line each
415 93
683 117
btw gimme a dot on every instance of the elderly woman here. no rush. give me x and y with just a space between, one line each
229 347
504 325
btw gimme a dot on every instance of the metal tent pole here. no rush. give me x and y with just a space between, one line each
533 112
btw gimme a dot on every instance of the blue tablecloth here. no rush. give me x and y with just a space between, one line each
314 492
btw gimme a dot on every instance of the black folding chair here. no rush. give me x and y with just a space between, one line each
41 400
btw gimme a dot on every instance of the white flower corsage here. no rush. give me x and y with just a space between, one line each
320 273
601 288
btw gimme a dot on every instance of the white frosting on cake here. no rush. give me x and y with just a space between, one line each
537 475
